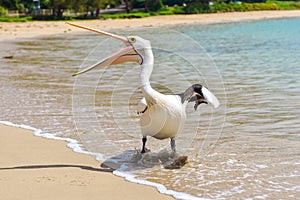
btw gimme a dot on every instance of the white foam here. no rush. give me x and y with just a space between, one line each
262 166
73 144
161 188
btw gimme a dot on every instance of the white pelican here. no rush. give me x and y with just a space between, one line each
162 116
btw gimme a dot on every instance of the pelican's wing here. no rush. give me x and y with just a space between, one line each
142 106
210 97
198 99
199 94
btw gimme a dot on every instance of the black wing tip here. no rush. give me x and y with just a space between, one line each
189 93
142 111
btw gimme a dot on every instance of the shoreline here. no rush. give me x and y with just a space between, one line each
15 30
38 168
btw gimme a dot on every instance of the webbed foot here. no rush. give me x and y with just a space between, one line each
177 163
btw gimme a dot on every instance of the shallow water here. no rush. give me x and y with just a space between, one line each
248 148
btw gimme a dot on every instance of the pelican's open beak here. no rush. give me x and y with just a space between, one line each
126 54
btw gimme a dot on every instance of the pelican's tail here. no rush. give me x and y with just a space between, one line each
210 97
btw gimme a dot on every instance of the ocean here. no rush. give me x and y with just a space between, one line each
248 148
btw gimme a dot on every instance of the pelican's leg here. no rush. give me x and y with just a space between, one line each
144 140
173 146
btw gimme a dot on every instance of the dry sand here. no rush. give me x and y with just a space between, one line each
42 28
36 168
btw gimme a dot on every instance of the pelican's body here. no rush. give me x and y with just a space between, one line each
162 116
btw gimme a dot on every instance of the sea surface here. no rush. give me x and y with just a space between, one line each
248 148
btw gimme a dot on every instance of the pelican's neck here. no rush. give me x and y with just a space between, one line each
147 67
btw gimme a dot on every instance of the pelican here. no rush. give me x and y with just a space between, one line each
161 116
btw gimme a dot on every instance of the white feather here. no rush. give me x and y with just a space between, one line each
210 97
142 106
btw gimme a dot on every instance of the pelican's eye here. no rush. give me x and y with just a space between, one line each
132 39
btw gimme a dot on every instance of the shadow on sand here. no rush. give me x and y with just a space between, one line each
129 160
58 166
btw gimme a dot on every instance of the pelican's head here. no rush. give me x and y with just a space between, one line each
134 50
140 45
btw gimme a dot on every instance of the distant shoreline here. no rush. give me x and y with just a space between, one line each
15 30
38 168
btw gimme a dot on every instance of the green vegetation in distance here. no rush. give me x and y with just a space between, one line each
141 14
15 19
191 8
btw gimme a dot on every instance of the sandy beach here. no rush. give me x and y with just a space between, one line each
36 168
43 28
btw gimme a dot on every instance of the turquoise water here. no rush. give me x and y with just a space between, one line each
264 55
248 148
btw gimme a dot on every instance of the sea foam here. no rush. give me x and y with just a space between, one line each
73 144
